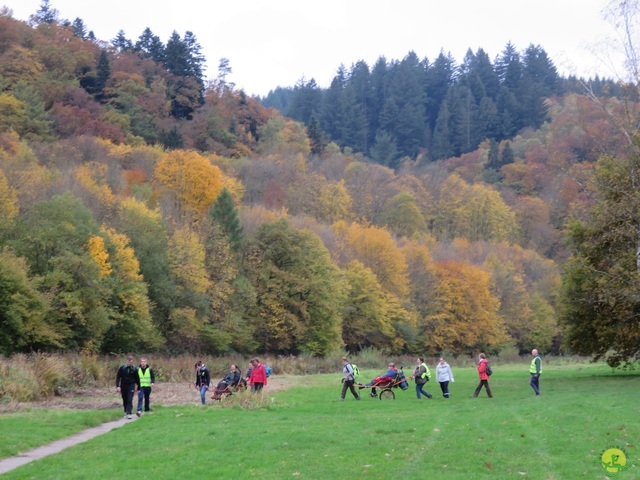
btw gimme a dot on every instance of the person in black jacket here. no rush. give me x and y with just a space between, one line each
203 379
230 379
126 382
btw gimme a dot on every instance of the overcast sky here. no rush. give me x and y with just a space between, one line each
278 42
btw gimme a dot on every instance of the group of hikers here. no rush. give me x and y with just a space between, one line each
132 379
256 378
393 377
421 375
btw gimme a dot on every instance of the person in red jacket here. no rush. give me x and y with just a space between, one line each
258 377
484 378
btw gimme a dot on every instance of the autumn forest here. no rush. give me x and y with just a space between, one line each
417 206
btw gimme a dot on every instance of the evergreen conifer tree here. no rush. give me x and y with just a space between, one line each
225 214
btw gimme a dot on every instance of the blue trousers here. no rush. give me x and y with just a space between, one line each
535 383
144 394
203 393
444 386
419 390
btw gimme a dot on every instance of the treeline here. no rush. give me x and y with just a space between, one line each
436 110
108 248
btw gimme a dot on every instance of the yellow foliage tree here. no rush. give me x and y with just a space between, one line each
375 248
366 319
421 273
279 136
474 212
13 114
296 138
93 177
8 200
124 256
132 309
235 187
464 314
187 260
98 251
334 203
26 178
19 63
190 179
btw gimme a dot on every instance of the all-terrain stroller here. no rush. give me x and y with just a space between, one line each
386 385
229 386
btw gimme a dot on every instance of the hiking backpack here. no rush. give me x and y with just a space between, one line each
488 370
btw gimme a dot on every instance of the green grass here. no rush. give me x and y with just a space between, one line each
26 430
305 432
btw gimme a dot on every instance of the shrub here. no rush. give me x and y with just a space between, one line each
18 382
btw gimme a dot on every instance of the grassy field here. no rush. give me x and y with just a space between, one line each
26 430
304 432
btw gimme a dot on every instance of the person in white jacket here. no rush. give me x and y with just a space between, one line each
444 375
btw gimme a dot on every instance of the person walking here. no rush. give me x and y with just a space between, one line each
348 380
258 377
444 375
126 382
203 380
484 378
421 375
146 379
535 369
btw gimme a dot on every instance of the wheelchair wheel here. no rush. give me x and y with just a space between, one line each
387 394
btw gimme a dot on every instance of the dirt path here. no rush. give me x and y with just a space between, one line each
167 394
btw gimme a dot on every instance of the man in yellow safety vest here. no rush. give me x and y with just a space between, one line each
535 370
147 379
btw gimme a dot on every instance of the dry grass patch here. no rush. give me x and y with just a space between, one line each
104 398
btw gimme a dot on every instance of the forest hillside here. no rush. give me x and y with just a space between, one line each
143 207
